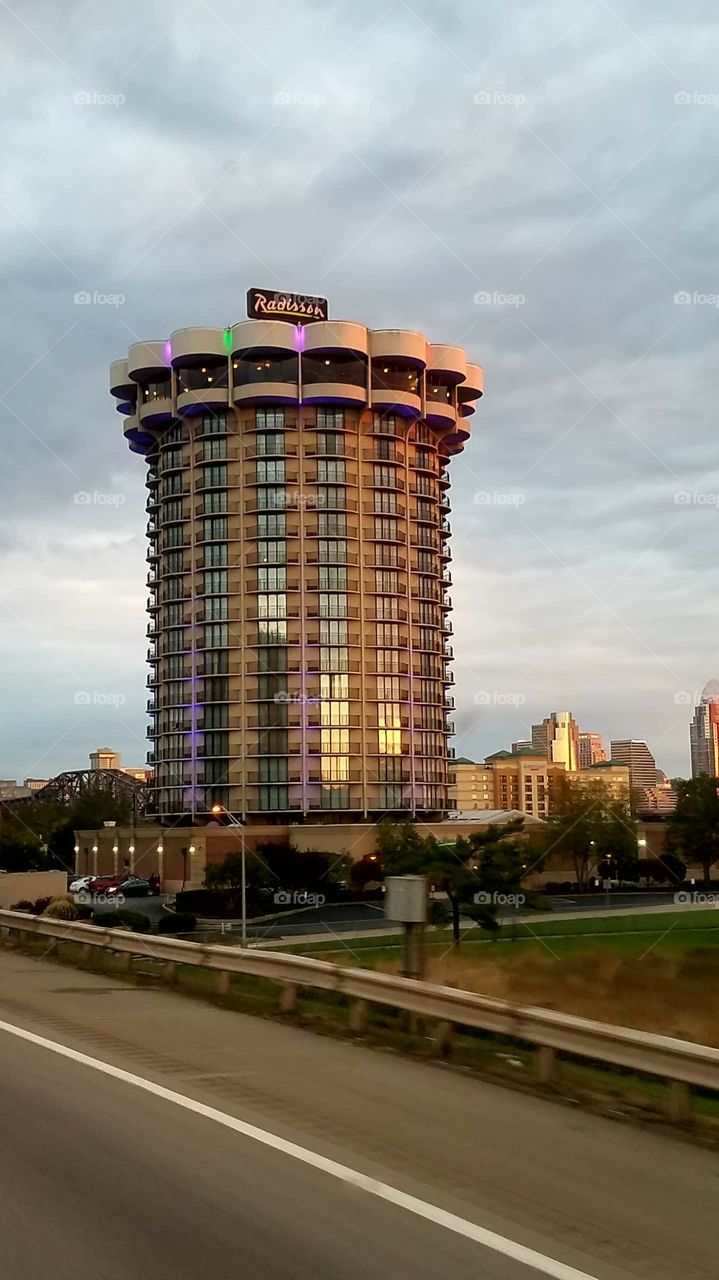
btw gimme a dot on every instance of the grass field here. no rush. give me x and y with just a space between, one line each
655 972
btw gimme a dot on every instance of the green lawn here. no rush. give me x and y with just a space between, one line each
628 934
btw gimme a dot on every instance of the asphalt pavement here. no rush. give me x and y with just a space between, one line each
185 1142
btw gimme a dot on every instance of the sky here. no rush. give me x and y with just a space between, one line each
534 181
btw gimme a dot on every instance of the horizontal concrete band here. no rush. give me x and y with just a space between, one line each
662 1056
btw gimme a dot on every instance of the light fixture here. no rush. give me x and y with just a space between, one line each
131 849
160 849
191 849
115 848
94 848
77 848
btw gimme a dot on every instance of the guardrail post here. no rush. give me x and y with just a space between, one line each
358 1016
288 998
171 972
680 1101
222 983
125 965
546 1064
442 1038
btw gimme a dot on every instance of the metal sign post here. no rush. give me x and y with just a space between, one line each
406 903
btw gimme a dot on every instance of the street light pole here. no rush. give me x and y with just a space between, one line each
238 822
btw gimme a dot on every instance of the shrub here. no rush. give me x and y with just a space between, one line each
83 911
40 905
106 919
135 921
177 922
61 909
23 905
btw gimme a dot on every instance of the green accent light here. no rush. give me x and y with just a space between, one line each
228 339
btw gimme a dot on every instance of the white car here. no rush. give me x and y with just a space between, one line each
81 884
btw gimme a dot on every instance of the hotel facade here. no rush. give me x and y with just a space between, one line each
298 563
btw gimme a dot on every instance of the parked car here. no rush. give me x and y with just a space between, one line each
101 884
80 884
130 887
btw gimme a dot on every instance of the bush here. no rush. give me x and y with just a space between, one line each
40 904
106 919
177 922
135 921
23 905
83 911
61 909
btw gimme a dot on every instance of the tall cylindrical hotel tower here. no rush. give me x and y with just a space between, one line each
298 565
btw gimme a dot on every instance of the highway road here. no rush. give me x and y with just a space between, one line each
147 1134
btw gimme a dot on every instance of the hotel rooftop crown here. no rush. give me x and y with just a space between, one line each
298 561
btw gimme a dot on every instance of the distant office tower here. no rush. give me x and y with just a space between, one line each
557 738
704 733
591 750
523 745
105 758
638 759
298 478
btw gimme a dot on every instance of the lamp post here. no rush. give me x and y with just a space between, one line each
238 822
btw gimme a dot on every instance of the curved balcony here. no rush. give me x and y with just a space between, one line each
439 405
156 410
123 388
265 378
448 362
334 378
398 344
139 441
194 346
148 360
201 399
396 387
275 336
339 336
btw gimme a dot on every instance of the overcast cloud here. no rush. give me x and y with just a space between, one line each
562 154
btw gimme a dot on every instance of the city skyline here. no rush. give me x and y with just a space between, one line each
524 222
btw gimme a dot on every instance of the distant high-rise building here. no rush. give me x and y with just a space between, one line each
638 759
591 750
704 733
557 738
105 758
523 745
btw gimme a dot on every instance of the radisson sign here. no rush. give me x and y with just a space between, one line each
271 304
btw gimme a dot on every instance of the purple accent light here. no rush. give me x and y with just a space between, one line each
168 353
299 337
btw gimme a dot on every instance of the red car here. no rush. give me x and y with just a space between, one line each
101 884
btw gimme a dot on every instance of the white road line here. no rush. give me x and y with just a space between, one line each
460 1226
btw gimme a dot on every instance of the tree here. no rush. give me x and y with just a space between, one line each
466 869
693 827
591 826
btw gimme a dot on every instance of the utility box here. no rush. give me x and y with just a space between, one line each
406 899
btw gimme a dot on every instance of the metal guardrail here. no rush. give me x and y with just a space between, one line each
678 1062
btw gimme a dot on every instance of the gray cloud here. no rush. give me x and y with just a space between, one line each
401 197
